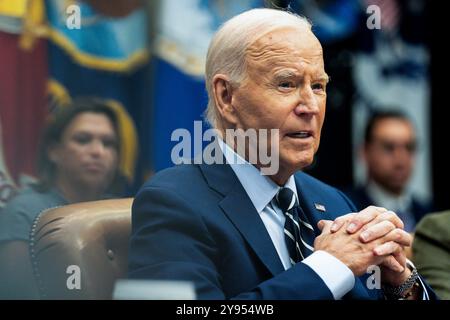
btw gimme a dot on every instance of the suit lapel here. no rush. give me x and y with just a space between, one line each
240 210
242 213
311 203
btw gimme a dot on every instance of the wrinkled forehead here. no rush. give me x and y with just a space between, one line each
286 44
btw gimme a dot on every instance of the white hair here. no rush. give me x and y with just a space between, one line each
227 50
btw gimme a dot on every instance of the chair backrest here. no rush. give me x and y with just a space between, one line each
78 251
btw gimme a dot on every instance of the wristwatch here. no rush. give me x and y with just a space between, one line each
398 292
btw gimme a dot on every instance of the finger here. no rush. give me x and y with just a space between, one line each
400 236
386 248
340 221
363 217
391 263
321 224
376 231
400 256
397 235
392 217
326 225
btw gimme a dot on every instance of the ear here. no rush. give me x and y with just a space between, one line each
223 97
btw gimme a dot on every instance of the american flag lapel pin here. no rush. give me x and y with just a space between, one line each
320 207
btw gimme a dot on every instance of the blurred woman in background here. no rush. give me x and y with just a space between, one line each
77 161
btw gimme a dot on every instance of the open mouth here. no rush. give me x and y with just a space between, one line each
300 134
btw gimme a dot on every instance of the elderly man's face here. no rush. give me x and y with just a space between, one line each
285 89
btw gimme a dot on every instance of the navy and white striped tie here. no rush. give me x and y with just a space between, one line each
298 233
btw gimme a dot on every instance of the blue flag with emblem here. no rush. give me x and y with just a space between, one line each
184 30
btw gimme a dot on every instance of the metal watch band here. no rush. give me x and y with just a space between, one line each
399 291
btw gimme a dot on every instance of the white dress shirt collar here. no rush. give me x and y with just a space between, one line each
388 200
260 188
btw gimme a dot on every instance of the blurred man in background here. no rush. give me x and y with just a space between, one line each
389 152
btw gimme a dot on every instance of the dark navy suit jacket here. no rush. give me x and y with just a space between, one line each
361 199
196 223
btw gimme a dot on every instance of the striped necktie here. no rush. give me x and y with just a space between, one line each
298 233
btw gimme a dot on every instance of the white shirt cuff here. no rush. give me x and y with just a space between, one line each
336 275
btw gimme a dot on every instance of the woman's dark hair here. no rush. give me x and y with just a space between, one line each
56 124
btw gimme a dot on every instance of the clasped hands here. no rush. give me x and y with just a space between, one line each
373 236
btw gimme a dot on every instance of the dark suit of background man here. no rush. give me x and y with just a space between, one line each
236 233
389 153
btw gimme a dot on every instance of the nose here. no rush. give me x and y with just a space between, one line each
97 148
307 103
401 154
